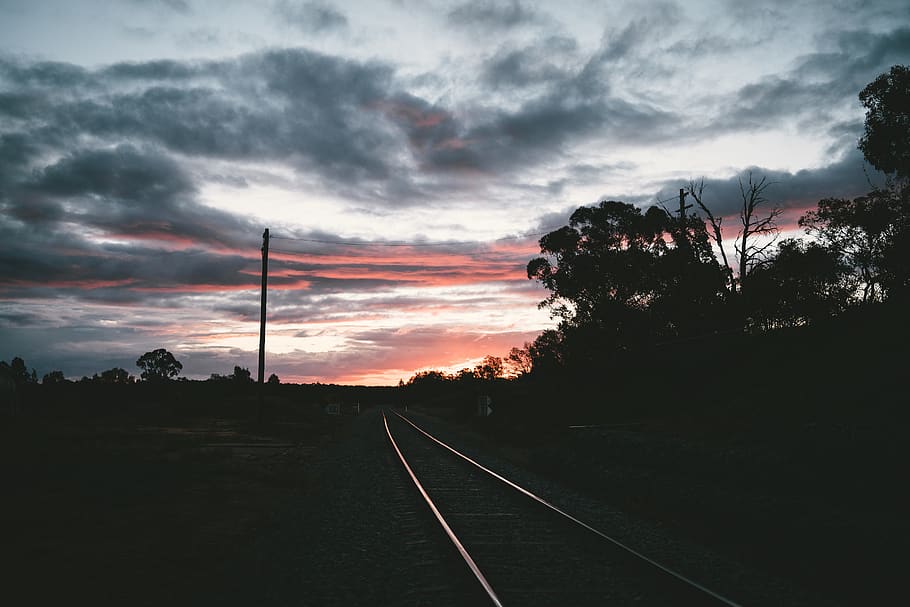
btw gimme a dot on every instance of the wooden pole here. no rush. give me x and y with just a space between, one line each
265 279
682 204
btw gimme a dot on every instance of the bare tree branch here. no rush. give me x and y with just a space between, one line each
696 191
753 196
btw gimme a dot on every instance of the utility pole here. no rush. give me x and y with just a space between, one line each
265 280
683 231
682 204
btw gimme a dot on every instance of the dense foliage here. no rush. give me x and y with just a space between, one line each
159 365
885 141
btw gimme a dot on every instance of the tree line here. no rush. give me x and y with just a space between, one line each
155 366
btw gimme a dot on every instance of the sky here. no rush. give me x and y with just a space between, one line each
405 155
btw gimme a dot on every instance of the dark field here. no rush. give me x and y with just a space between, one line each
150 503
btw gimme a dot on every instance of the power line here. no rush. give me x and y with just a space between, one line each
672 198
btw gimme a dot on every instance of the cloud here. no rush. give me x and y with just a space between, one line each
821 84
123 174
489 14
384 356
527 66
292 106
310 17
796 192
178 6
348 124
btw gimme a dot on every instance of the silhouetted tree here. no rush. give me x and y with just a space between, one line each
158 365
273 379
519 360
757 233
802 283
465 375
619 277
429 377
895 265
604 258
690 290
19 373
886 140
864 231
116 376
54 377
697 190
547 353
490 368
241 375
759 227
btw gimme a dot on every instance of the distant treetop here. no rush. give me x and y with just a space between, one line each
886 141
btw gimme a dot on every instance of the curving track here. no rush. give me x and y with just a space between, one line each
521 549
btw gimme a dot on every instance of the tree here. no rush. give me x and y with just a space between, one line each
273 380
803 283
519 361
895 265
54 377
886 140
116 376
756 222
866 232
697 190
757 234
241 375
18 372
547 353
465 375
603 259
158 365
490 368
619 277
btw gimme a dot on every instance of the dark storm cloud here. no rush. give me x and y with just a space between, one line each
125 191
9 318
151 70
59 263
179 6
348 123
123 174
818 84
15 151
531 65
492 14
54 74
64 216
854 53
542 127
316 112
572 102
801 190
310 17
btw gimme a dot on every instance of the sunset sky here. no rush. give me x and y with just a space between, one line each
406 156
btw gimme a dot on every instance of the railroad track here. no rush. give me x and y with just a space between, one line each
521 549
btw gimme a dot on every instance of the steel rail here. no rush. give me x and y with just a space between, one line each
442 521
680 577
